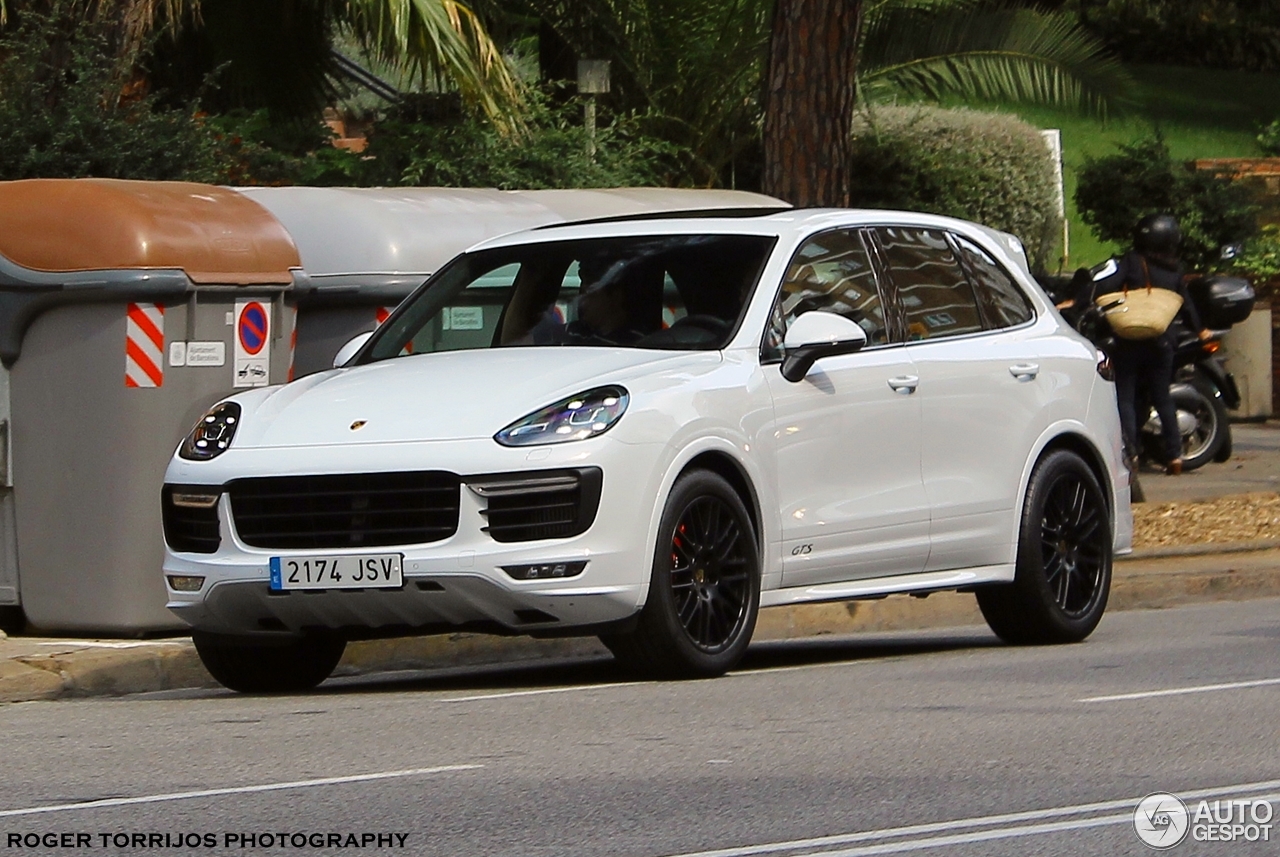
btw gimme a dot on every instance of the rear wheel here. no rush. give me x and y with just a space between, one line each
1202 423
250 665
1064 559
704 589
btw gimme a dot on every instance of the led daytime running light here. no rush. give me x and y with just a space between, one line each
578 417
213 434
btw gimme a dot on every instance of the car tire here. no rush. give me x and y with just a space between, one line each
1063 576
704 589
250 665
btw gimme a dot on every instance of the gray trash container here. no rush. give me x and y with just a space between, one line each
366 249
126 309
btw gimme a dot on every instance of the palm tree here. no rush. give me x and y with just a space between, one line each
696 69
984 51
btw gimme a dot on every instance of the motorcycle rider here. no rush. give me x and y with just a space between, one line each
1147 365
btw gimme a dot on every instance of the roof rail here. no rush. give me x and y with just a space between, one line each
757 211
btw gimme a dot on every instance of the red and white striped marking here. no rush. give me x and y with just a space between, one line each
144 346
293 343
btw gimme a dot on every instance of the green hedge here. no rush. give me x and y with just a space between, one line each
991 168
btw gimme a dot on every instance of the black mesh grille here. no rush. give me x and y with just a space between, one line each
345 511
519 510
190 529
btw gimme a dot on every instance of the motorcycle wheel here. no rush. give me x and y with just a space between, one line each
1210 430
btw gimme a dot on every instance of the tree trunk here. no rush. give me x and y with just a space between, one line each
809 98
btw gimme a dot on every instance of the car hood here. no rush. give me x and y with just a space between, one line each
444 396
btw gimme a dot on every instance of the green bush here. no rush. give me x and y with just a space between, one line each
69 109
1259 259
1116 191
1269 139
991 168
465 151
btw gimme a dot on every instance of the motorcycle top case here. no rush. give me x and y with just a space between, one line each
1222 301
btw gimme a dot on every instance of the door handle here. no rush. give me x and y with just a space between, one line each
904 384
1024 371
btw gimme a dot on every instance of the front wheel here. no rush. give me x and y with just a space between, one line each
252 666
1063 577
704 589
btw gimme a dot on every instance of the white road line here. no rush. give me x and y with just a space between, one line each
1178 691
1009 824
577 688
236 790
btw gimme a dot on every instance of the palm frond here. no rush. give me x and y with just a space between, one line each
440 39
989 53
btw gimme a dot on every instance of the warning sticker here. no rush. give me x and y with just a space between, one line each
144 346
252 344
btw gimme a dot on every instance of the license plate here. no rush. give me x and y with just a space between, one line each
373 571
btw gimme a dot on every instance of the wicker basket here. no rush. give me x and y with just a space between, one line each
1141 313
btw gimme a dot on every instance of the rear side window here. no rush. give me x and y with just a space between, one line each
936 297
831 272
1003 303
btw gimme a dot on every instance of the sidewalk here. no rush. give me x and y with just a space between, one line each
34 668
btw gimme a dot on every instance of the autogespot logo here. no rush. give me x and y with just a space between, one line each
1161 820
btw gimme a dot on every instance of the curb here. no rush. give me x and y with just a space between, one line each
1148 579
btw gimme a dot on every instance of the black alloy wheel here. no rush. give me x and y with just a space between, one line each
1063 572
1073 544
709 573
704 586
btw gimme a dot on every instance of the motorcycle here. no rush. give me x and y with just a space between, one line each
1202 389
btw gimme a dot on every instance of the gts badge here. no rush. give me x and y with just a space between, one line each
802 550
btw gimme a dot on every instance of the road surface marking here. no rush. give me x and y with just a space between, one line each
236 790
544 691
1009 825
1178 691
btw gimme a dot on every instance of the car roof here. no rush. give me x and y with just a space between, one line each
792 223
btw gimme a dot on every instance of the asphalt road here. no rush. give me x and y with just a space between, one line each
941 742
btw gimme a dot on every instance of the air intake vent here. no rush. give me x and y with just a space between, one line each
345 511
190 514
547 504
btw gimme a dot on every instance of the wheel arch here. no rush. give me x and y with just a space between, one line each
1074 441
732 472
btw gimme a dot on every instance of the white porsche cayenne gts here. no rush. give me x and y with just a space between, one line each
647 430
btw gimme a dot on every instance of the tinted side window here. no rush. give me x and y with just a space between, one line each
1002 302
830 272
935 294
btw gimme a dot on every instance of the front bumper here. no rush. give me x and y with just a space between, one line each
457 582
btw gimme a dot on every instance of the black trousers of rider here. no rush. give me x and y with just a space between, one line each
1146 367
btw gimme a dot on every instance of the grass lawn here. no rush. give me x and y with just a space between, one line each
1202 114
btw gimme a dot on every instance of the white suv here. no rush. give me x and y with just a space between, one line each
648 429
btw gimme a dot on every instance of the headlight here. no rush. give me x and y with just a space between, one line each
212 435
575 418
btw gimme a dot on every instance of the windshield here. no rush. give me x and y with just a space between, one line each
670 291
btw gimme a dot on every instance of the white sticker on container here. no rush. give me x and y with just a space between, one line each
466 318
206 354
177 354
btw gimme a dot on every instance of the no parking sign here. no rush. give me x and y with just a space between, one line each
252 344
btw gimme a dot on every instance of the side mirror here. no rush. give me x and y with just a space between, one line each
349 350
816 335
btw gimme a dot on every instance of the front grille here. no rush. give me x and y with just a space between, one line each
191 522
345 511
550 504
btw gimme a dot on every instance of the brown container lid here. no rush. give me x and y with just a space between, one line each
215 235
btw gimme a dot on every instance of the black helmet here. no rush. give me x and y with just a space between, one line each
1157 234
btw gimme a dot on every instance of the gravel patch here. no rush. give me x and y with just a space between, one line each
1234 518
